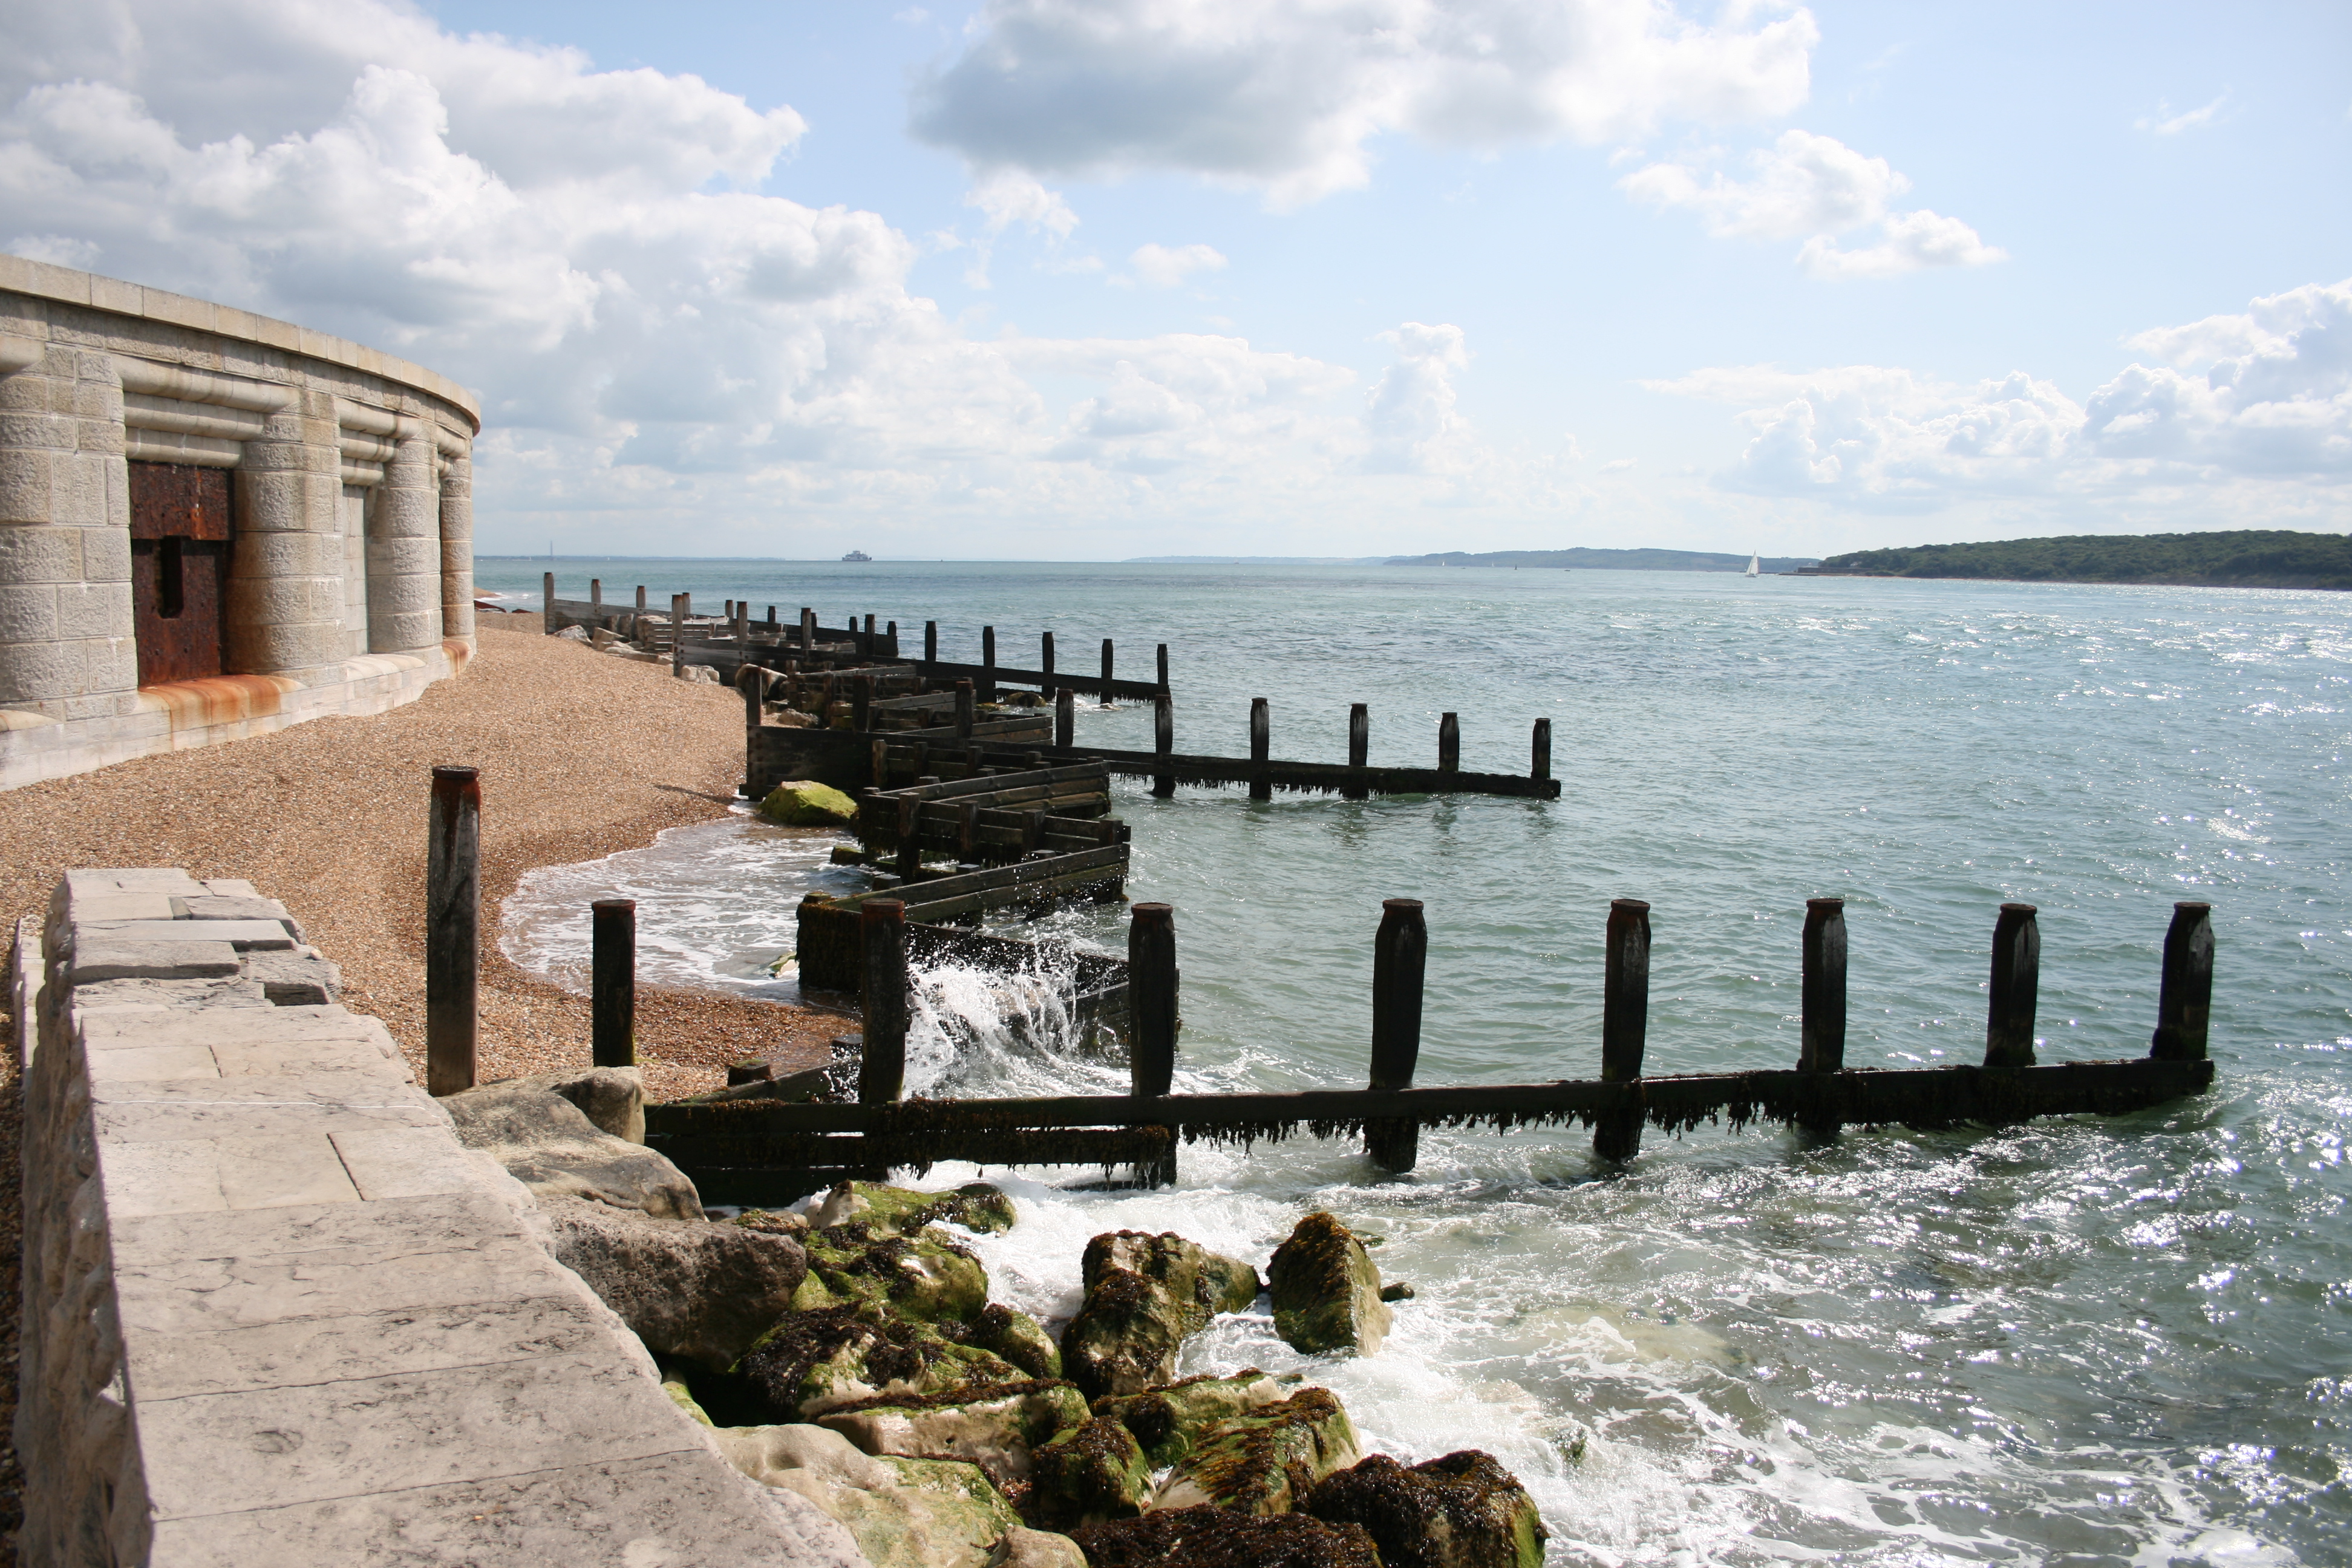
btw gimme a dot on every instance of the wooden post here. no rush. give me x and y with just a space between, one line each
641 600
453 919
877 762
547 604
1400 956
964 709
931 642
861 706
808 629
1624 1023
1360 747
968 830
1164 742
1261 748
882 1071
2016 976
612 983
870 634
1151 991
1046 663
596 600
1820 1034
1065 717
2184 1006
910 837
771 620
1107 673
754 686
1162 681
1449 743
1541 766
677 602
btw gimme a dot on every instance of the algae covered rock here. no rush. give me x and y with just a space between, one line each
1145 1295
1092 1472
1327 1292
1037 1549
1265 1461
1169 1422
1017 1337
902 1514
683 1398
1463 1511
803 802
1220 1538
999 1428
812 1360
924 1276
901 1211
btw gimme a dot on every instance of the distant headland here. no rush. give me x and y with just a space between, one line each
1584 559
2244 557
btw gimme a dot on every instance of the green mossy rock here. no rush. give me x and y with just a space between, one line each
1018 1338
802 803
1266 1461
812 1360
1092 1472
902 1211
1220 1538
998 1429
683 1398
924 1276
942 1513
1145 1295
1327 1292
1169 1422
1463 1511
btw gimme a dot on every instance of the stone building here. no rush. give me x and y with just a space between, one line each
214 525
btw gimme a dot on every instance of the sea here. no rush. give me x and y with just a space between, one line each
2086 1342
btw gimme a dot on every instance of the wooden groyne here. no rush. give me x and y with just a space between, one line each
767 1152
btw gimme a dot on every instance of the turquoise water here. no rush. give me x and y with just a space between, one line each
2073 1342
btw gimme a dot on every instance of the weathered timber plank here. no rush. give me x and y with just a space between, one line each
1331 777
1144 691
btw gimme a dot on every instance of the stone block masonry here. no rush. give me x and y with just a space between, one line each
274 1313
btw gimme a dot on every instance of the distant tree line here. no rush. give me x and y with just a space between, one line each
2245 558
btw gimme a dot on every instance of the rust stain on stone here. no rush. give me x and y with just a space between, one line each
216 698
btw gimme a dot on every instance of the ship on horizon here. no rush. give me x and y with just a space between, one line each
857 555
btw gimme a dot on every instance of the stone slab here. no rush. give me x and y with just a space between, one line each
219 1452
203 1175
324 1233
302 1059
106 958
362 1345
257 935
673 1510
406 1161
122 906
138 1064
123 1117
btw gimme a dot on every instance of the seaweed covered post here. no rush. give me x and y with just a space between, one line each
596 600
1161 680
612 983
931 642
1399 958
1625 1024
987 664
1449 743
453 919
964 709
1045 661
808 629
1107 673
1164 742
1261 748
2016 976
1820 1034
1360 747
2184 1004
882 1069
1151 1005
1541 766
677 602
910 835
1065 717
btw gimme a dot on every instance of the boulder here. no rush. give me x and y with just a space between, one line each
1463 1511
1023 1548
904 1513
683 1398
803 802
812 1360
1145 1295
1327 1292
1087 1473
1169 1422
901 1211
573 634
702 673
1017 1337
1265 1461
551 1144
689 1289
1220 1538
924 1276
998 1429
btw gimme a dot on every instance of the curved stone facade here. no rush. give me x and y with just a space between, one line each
214 525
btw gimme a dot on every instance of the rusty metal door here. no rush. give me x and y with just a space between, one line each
181 535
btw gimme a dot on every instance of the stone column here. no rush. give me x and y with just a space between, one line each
457 549
286 567
65 649
403 553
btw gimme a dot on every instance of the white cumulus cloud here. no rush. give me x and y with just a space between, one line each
1165 266
1284 96
2164 123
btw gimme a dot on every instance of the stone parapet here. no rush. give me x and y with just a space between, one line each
274 1313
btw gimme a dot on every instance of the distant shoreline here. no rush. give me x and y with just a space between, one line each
2242 558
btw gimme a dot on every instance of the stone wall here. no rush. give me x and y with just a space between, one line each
274 1313
353 483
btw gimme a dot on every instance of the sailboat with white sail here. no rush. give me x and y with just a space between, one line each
1756 566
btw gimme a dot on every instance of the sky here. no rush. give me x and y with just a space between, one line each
1080 279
